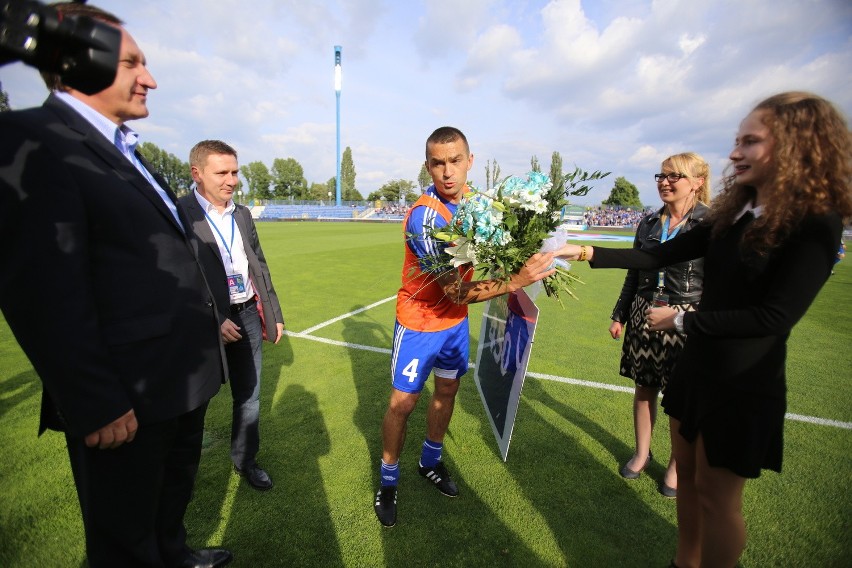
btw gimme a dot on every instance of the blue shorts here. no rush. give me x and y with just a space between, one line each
416 354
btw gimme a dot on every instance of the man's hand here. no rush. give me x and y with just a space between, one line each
535 269
280 327
114 434
461 292
230 332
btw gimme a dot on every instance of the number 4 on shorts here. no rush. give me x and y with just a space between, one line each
410 370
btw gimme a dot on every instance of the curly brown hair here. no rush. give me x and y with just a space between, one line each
811 172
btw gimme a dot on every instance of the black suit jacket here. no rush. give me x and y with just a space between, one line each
99 284
214 268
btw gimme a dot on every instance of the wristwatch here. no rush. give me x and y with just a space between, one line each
678 322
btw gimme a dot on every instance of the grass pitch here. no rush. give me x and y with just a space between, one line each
557 501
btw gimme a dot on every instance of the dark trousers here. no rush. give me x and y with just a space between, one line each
244 365
134 498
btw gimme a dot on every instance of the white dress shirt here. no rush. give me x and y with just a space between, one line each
230 241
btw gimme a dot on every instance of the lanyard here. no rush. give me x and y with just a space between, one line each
221 236
661 276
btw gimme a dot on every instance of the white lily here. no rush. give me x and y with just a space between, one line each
463 252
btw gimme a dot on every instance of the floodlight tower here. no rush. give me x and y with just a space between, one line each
338 80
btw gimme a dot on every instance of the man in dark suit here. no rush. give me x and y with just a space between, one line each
102 289
230 253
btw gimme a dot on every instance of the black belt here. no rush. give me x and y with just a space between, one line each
237 308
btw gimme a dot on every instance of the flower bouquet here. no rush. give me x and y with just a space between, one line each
497 230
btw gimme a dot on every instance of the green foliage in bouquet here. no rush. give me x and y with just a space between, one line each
497 230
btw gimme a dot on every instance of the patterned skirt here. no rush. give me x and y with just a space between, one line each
648 357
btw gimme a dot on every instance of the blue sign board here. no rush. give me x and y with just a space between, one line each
505 342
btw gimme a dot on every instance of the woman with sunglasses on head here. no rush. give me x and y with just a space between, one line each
648 357
769 244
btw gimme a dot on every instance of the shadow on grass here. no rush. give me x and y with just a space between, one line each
371 374
281 353
290 524
19 411
19 389
584 502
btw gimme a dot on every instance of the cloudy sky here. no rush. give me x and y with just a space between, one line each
615 85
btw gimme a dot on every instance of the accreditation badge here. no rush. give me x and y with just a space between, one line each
236 287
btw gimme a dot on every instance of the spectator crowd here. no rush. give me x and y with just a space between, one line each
614 216
393 210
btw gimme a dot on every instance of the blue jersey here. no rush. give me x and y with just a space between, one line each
421 221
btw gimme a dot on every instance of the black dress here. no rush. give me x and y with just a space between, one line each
729 383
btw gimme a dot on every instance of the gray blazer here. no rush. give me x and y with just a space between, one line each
211 262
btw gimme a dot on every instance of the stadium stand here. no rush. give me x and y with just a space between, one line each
273 212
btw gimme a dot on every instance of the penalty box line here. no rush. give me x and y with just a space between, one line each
577 382
310 330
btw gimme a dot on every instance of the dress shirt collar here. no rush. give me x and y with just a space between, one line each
209 207
122 136
756 211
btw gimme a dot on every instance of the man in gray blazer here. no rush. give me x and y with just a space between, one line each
102 289
230 253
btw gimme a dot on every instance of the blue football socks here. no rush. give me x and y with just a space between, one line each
431 453
389 473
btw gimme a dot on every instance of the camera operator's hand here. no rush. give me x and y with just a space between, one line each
82 51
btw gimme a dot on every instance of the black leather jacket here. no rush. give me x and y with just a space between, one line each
683 281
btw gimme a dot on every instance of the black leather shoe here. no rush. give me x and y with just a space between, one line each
207 558
256 477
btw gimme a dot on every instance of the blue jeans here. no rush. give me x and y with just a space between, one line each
244 366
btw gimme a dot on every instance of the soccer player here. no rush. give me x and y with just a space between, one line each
431 331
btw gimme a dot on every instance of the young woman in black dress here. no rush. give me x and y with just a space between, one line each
768 246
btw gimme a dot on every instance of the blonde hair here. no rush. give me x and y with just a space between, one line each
811 171
692 166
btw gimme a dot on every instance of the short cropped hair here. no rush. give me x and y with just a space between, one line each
198 154
445 135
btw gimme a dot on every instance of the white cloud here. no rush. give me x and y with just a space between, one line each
616 85
488 52
447 27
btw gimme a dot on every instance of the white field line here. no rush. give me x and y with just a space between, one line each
344 316
303 335
215 539
577 382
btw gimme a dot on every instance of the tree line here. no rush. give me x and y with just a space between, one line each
623 193
284 180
